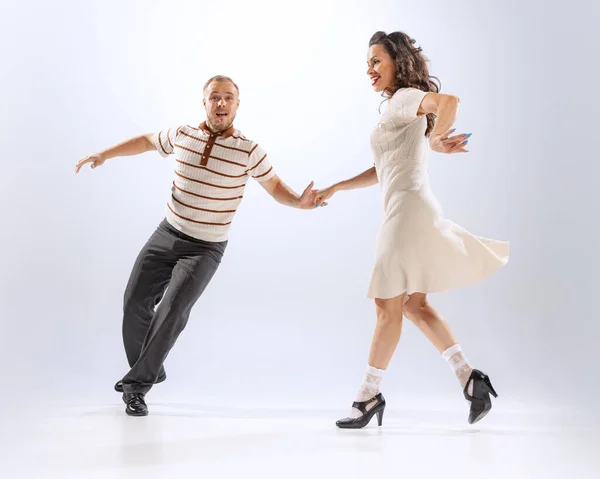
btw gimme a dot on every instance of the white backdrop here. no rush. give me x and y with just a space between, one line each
285 321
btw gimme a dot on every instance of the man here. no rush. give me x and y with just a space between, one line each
213 164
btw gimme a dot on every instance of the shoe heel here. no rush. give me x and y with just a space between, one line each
380 417
378 403
490 388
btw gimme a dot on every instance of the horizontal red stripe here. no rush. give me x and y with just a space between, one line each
209 184
200 209
256 166
264 174
197 222
210 156
205 197
217 144
209 170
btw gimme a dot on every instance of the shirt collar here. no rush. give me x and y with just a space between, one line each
225 134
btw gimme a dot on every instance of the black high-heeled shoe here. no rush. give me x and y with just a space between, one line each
367 415
480 400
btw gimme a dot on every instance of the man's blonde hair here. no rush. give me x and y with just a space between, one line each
220 78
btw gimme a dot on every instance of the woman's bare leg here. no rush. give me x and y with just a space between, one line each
418 310
387 331
385 339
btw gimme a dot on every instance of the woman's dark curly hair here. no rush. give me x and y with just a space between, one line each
411 66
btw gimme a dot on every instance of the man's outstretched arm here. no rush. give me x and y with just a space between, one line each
133 146
283 194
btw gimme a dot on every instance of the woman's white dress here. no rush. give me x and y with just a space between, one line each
418 249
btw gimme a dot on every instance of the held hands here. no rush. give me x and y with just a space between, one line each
95 160
308 199
311 199
322 195
445 143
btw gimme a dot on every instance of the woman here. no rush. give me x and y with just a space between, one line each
418 251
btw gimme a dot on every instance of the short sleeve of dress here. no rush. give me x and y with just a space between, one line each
406 101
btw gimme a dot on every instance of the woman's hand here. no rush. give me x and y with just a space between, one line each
323 195
444 143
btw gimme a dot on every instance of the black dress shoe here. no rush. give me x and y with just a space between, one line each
119 384
367 415
135 404
480 400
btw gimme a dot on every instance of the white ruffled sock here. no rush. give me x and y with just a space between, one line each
368 389
460 365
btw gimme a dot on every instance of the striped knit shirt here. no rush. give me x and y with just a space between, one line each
211 172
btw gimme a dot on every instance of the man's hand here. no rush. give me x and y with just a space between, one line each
95 160
285 195
308 199
445 143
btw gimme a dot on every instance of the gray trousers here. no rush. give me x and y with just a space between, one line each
172 269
